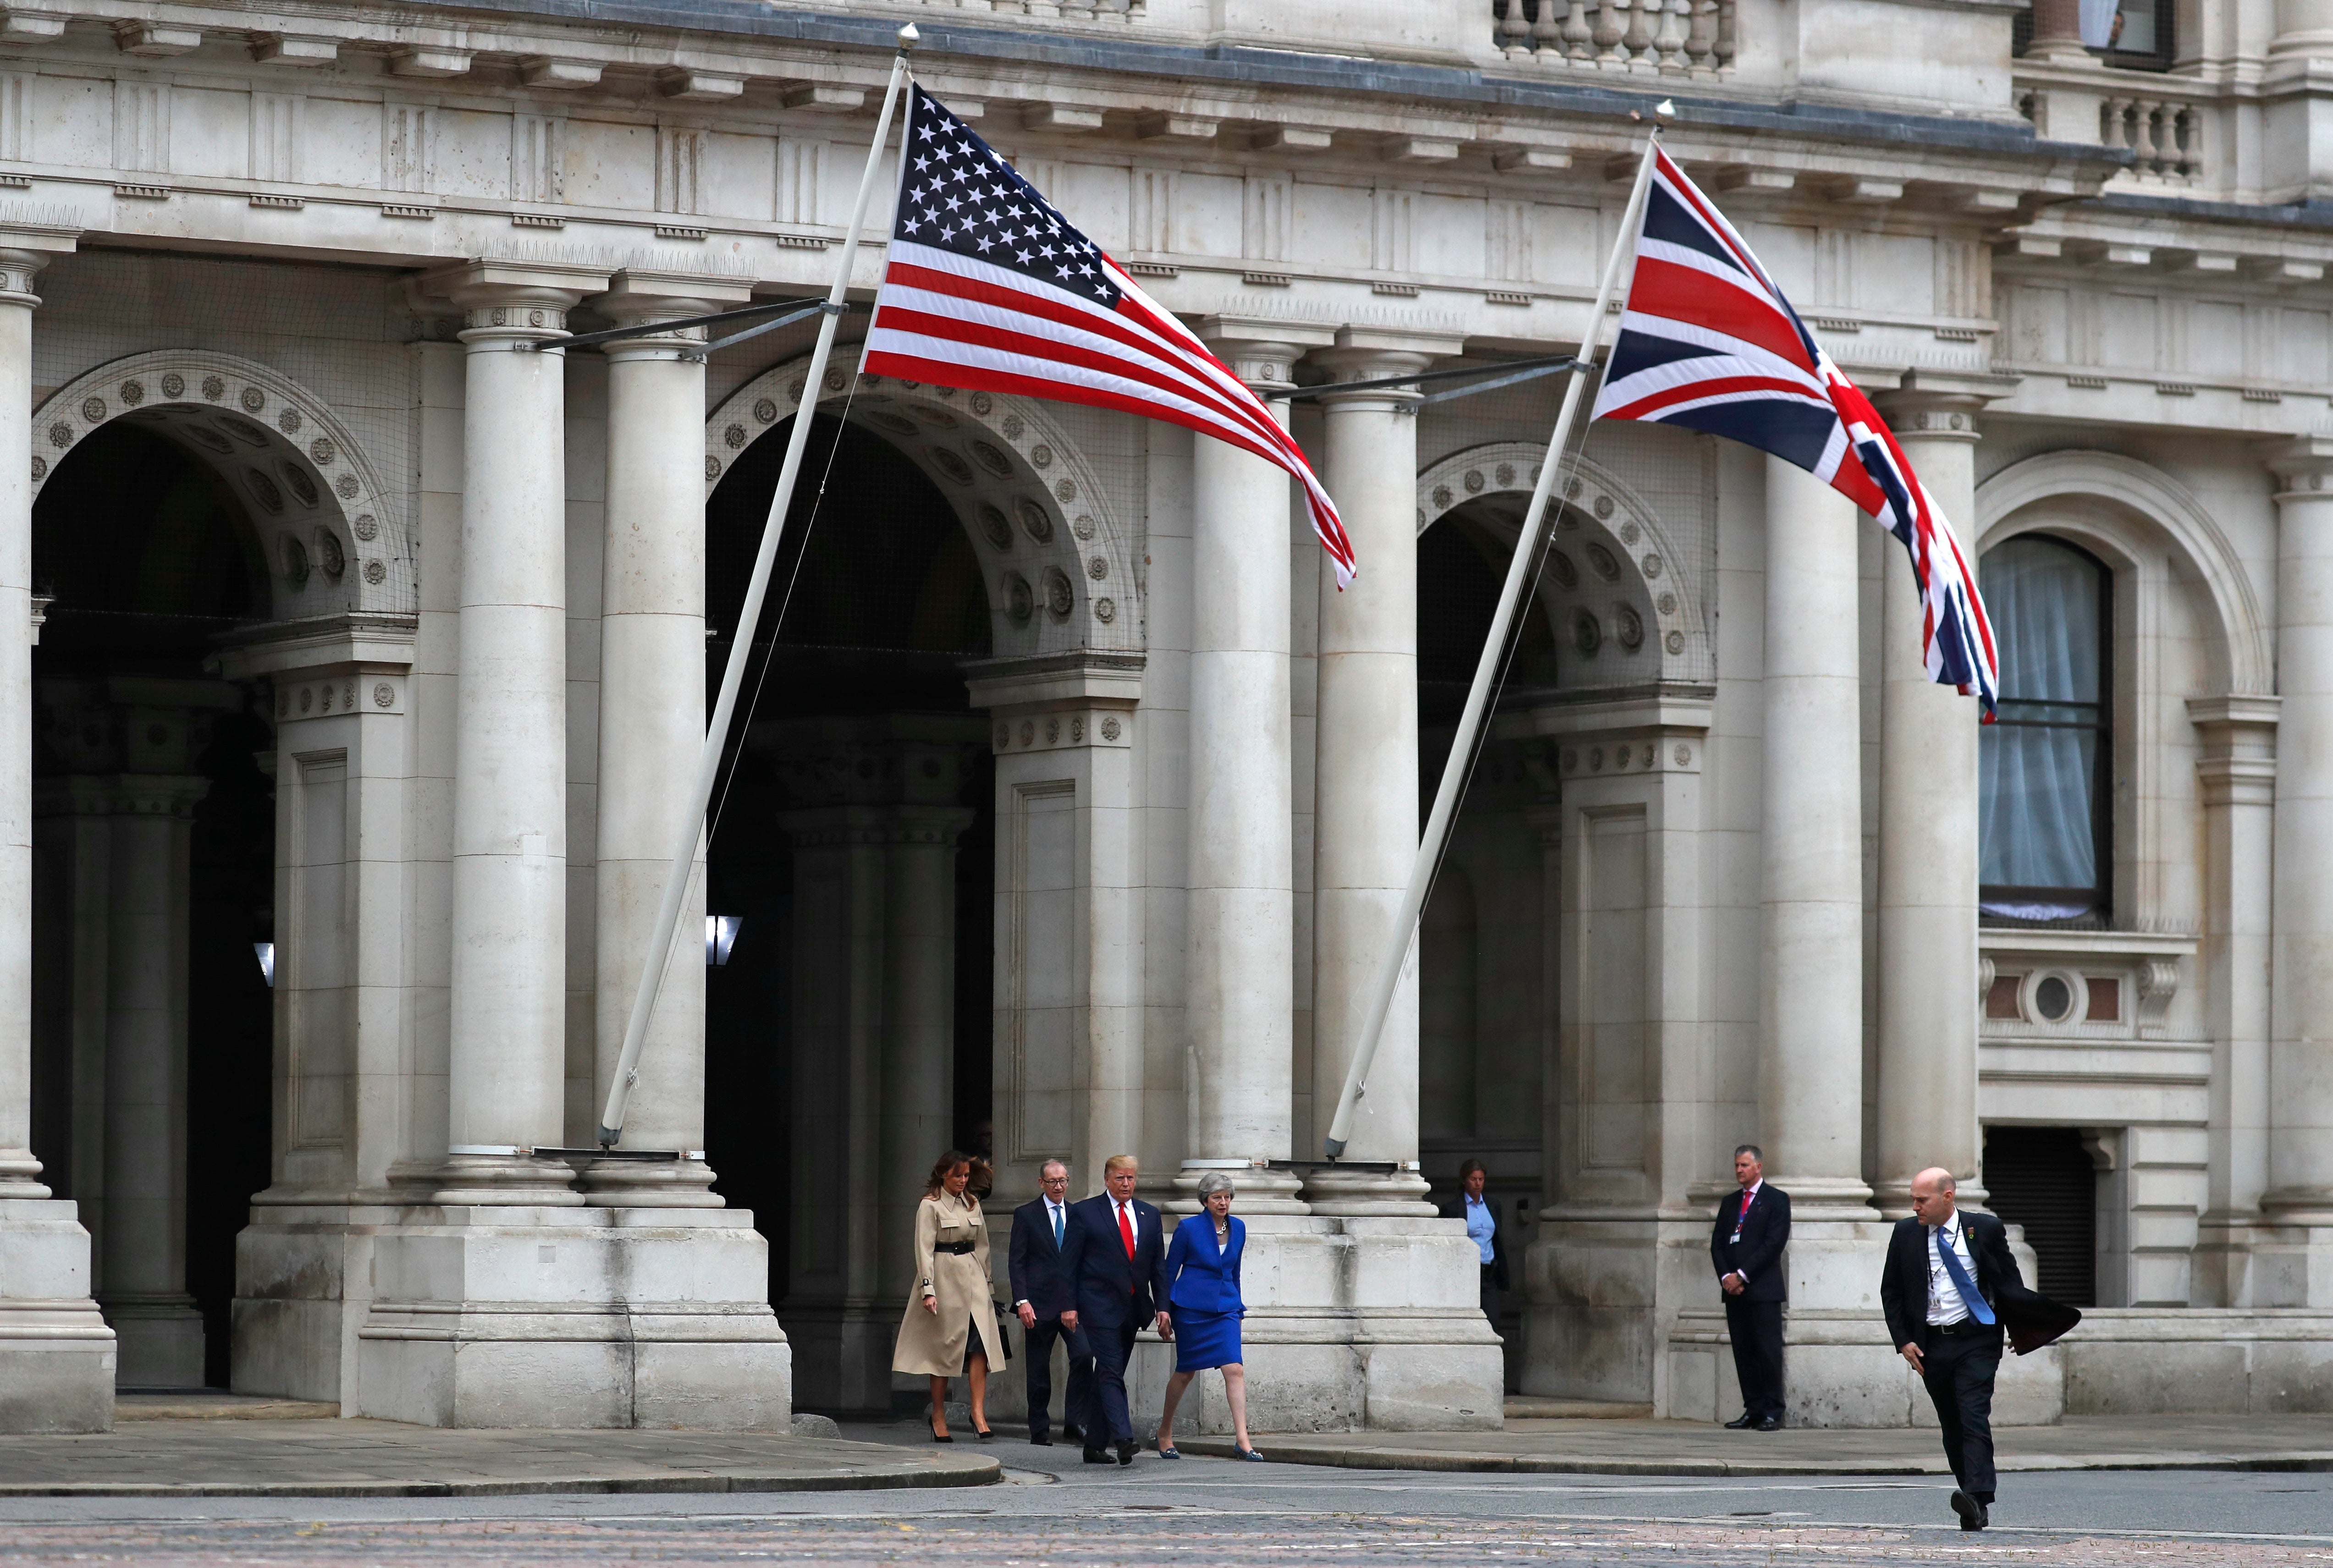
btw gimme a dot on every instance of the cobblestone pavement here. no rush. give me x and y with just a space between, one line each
1203 1513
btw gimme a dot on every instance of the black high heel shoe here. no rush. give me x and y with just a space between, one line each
932 1424
984 1434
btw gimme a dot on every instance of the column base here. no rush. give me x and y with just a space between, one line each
1399 1192
1354 1323
56 1352
160 1341
649 1184
303 1282
1260 1190
532 1316
470 1181
1593 1283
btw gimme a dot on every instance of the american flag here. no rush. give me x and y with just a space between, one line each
989 287
1710 343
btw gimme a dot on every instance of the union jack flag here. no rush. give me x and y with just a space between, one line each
1709 342
988 287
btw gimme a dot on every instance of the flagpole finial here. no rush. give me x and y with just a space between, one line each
1664 109
908 38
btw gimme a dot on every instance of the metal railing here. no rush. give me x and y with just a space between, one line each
1689 38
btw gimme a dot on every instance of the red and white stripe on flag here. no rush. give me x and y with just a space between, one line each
987 287
1708 342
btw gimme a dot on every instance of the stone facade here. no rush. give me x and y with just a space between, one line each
371 619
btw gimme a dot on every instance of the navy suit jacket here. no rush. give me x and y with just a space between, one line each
1035 1263
2030 1319
1758 1256
1201 1275
1109 1288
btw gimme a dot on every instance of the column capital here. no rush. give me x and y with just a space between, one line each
2304 463
27 245
1374 353
642 296
2238 764
1262 351
1941 404
508 303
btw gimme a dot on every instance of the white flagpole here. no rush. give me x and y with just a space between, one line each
1478 696
708 768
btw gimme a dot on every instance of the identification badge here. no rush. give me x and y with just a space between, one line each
1737 1239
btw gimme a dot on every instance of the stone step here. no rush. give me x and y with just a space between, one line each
1535 1407
215 1405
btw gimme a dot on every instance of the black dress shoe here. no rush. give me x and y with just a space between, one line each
1074 1434
1744 1419
1974 1515
1096 1456
1125 1453
1039 1440
1770 1424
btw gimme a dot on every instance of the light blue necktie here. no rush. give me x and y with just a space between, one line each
1970 1296
1057 1225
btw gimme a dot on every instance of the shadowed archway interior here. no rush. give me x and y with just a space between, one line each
886 602
148 558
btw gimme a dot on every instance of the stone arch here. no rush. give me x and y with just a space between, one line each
1056 560
2110 503
1616 597
333 541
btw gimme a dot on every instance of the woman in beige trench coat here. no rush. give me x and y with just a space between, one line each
950 1324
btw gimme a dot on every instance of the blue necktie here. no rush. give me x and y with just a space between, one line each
1972 1297
1057 1225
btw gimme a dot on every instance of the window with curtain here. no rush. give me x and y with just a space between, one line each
2046 848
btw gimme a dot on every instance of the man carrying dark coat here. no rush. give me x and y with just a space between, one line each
1950 1290
1041 1294
1745 1247
1114 1256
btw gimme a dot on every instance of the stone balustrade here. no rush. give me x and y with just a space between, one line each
1690 38
1104 11
2164 121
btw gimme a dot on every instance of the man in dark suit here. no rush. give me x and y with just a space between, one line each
1950 1288
1114 1256
1745 1247
1041 1294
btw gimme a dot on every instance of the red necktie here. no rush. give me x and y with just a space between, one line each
1745 1210
1125 1231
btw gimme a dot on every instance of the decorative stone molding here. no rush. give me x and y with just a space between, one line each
2094 487
335 541
2118 985
1057 559
2238 765
1618 592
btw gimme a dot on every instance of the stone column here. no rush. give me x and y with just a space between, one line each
508 993
652 726
1810 996
56 1354
2299 1197
144 1236
1928 1001
918 1083
1238 1069
2237 775
1364 780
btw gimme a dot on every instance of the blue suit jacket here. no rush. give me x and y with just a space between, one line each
1109 1288
1199 1275
1035 1263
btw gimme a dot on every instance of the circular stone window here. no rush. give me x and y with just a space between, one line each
2053 998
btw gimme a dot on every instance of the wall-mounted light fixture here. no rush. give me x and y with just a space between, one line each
266 952
720 936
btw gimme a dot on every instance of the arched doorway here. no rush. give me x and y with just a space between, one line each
154 840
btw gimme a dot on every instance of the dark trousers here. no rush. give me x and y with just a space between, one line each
1037 1346
1756 1329
1491 1294
1959 1371
1106 1415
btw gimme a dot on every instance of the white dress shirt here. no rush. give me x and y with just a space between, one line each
1133 1219
1946 1304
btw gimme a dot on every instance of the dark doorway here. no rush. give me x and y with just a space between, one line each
874 602
2043 1179
149 559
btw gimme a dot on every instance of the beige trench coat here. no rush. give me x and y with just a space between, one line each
935 1345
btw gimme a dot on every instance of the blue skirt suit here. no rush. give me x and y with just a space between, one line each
1203 1282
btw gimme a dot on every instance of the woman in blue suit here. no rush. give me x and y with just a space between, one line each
1203 1281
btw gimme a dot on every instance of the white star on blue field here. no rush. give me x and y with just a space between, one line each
959 194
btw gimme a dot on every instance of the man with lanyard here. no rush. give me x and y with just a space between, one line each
1746 1248
1950 1287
